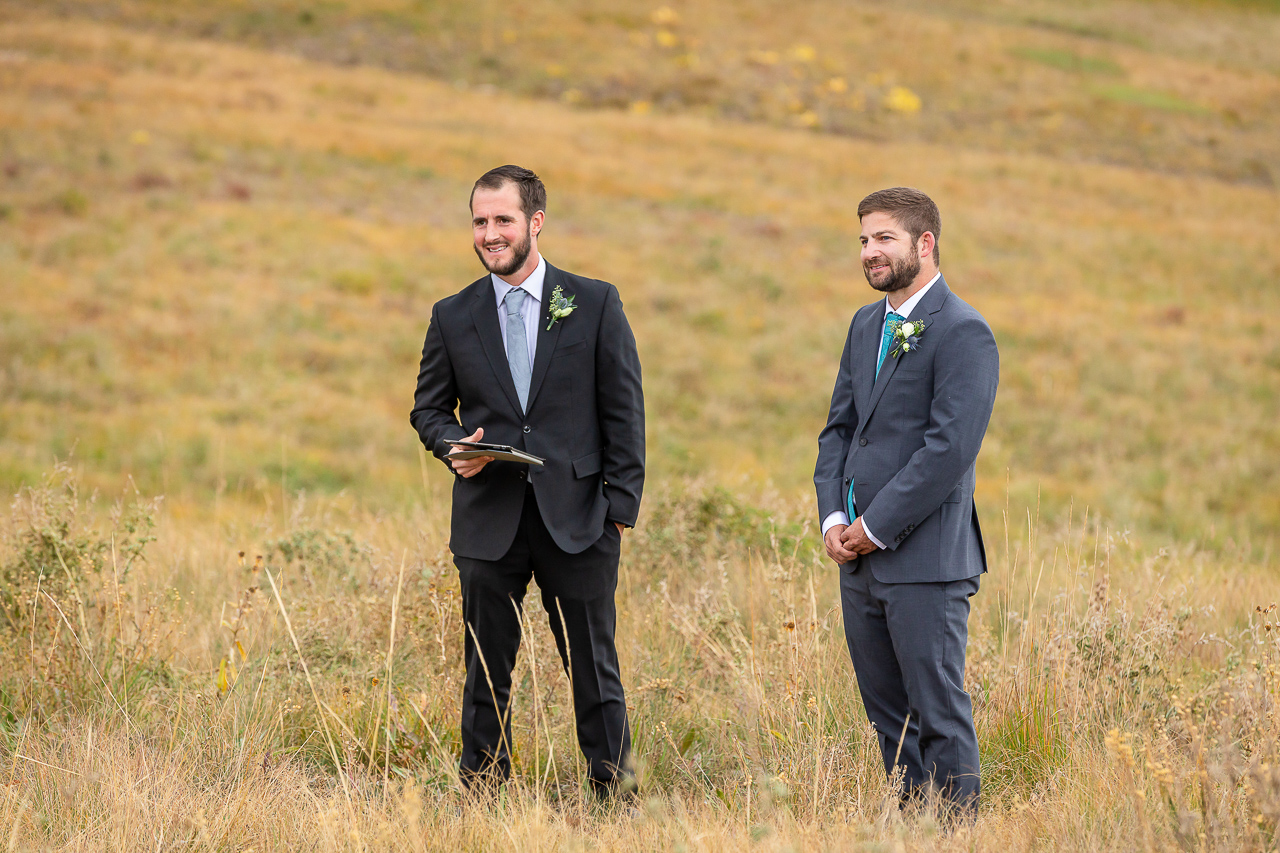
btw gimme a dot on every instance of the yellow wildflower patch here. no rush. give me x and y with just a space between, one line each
902 100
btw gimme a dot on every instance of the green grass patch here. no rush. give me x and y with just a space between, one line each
1149 99
1079 29
1263 5
1066 60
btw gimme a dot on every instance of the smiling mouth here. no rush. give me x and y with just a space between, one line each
493 250
876 267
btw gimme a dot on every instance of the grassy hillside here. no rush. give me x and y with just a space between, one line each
219 264
217 259
1186 87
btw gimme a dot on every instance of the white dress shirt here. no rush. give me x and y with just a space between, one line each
532 307
904 311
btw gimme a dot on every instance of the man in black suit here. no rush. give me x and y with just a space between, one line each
542 360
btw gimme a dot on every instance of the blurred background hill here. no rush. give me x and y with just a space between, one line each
1184 87
222 225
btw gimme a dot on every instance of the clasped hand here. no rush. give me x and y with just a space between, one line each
844 542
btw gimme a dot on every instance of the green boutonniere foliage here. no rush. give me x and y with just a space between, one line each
561 306
906 336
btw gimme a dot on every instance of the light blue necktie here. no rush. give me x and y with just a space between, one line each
891 323
518 345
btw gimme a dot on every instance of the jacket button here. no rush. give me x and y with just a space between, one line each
520 475
846 481
862 442
528 429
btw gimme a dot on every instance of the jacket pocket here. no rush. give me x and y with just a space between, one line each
565 349
585 466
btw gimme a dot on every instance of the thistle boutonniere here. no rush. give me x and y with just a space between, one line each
906 336
561 306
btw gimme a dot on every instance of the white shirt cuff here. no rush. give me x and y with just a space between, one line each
837 517
841 517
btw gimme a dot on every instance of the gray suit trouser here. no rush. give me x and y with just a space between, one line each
907 641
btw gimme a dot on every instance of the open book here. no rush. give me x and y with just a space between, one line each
472 449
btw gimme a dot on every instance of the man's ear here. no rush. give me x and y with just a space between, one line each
925 245
536 221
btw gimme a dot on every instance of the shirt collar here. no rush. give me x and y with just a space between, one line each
904 310
531 285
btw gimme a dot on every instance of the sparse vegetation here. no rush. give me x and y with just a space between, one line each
1116 709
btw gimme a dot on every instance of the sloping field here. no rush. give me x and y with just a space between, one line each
1185 87
216 265
213 257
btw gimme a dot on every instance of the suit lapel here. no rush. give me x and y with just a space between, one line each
484 312
886 372
931 304
935 298
868 346
547 338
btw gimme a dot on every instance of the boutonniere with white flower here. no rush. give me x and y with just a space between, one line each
560 307
906 336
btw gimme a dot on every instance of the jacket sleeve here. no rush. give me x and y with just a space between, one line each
966 373
436 397
620 407
833 441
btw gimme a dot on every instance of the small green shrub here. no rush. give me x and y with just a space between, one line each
72 202
71 629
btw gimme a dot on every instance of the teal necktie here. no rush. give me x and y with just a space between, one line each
891 323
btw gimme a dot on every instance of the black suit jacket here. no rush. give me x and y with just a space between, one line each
586 415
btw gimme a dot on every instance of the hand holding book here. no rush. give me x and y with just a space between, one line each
481 450
470 455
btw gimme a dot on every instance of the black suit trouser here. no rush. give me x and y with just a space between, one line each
907 641
579 586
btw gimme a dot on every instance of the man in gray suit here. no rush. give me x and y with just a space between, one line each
895 479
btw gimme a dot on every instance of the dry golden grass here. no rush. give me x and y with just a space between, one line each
216 266
1118 705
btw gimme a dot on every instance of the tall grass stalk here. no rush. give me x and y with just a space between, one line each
321 708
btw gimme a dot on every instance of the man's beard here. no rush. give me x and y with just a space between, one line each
519 254
902 271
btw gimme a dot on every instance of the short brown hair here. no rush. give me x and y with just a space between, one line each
533 195
914 211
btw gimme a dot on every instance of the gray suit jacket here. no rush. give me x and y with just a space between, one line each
586 415
909 440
